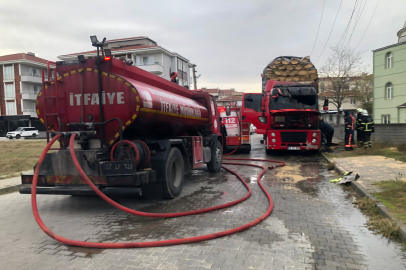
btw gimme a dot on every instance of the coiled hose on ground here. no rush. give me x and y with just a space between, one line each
159 215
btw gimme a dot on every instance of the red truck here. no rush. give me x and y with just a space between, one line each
287 111
238 131
133 128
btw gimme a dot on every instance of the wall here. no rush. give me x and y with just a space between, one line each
17 79
384 133
395 75
2 102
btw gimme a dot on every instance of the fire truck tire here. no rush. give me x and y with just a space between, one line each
269 151
215 164
174 174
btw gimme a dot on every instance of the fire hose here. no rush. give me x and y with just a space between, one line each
161 215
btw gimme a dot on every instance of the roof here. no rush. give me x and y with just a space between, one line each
329 78
402 105
123 39
330 94
211 90
230 98
389 46
224 91
22 56
118 49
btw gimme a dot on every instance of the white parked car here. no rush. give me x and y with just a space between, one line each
23 132
252 129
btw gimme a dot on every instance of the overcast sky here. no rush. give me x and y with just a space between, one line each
230 41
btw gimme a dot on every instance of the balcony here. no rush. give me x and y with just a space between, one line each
155 68
33 78
30 112
29 94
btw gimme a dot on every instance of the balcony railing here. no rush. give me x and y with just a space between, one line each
149 64
29 110
36 75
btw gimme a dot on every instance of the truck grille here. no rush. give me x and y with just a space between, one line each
294 137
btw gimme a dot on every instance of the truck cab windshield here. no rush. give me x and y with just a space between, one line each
293 98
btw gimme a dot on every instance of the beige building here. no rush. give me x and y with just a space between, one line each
350 97
226 96
147 55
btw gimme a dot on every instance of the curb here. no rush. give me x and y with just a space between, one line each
361 191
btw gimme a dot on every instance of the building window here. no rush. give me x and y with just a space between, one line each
352 101
389 60
386 119
180 64
10 92
148 60
330 118
180 82
8 72
11 108
389 91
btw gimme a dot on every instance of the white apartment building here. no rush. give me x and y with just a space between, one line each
147 55
20 82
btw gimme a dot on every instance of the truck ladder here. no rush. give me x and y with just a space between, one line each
54 98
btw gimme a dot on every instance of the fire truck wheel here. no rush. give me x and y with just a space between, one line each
215 164
174 174
269 151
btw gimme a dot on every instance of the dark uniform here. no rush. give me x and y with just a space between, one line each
359 128
368 128
327 132
349 131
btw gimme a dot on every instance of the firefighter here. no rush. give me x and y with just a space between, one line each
368 128
327 132
223 131
359 127
349 131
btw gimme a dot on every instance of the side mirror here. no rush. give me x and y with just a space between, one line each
228 110
325 106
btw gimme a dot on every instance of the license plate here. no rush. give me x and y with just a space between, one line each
294 148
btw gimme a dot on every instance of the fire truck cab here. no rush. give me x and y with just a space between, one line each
238 131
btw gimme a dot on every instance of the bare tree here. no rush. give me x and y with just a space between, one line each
364 91
337 70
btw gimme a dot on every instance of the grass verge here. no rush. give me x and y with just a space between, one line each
19 155
393 196
382 225
397 152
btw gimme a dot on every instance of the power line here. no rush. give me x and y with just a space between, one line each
368 24
356 21
343 36
322 11
325 45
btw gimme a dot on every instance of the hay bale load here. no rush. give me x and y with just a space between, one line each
290 69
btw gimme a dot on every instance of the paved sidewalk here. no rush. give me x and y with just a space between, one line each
10 184
373 169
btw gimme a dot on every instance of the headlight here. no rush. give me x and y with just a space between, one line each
314 134
273 134
262 119
314 141
273 140
279 118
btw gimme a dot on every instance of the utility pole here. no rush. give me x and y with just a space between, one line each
194 76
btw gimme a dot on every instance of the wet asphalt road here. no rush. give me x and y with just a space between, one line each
313 225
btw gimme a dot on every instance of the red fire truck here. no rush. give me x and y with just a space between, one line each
133 128
287 111
238 131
